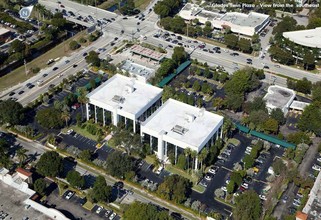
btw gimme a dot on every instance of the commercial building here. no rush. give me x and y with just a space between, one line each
312 208
123 99
147 53
279 97
140 72
176 126
239 23
308 38
4 34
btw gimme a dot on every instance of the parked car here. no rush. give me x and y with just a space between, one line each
69 195
316 167
11 93
99 209
159 170
245 185
263 197
208 176
213 169
112 216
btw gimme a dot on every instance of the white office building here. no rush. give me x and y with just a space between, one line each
239 23
124 100
279 97
176 126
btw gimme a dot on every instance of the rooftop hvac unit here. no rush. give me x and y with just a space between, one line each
201 112
179 129
130 88
189 117
118 99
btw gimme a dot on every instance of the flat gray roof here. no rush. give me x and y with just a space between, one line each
3 31
12 203
252 19
195 123
278 97
137 69
308 38
125 93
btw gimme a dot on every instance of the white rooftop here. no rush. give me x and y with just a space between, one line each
308 38
124 93
137 69
3 31
183 123
297 105
279 97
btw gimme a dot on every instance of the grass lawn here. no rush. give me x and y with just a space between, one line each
215 43
18 75
141 4
198 188
84 132
149 159
175 170
223 201
234 141
88 205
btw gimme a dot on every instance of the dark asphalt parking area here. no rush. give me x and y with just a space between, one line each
78 141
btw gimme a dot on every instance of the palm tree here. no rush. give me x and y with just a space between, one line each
202 155
193 155
65 116
21 154
57 104
187 152
82 99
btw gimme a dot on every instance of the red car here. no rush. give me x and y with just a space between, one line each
75 106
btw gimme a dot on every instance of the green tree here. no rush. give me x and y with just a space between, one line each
16 46
310 119
40 186
248 161
175 188
118 164
299 138
65 115
309 60
252 202
196 86
181 162
50 164
245 45
144 211
231 40
49 118
236 178
82 98
304 86
179 55
278 166
75 179
101 192
22 155
168 92
93 58
11 112
73 45
271 125
316 92
85 155
230 187
278 115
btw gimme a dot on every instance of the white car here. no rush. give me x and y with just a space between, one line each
319 159
70 131
213 169
208 177
263 197
224 188
316 167
245 185
112 216
159 170
99 209
69 195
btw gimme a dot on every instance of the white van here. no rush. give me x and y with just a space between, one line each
159 170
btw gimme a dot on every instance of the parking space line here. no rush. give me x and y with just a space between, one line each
227 169
260 181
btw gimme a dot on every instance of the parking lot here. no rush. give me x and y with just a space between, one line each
292 120
12 205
